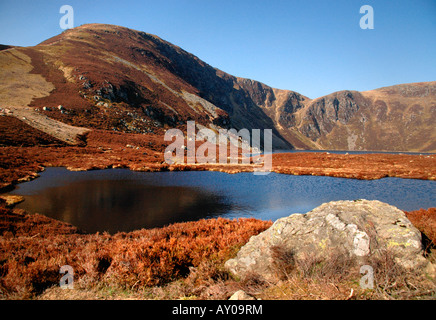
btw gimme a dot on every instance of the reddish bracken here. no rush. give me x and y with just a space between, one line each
34 247
425 221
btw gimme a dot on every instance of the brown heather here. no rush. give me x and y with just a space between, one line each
425 221
34 247
182 260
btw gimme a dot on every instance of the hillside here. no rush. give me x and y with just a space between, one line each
118 80
396 118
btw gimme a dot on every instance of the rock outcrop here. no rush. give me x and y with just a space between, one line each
356 229
324 113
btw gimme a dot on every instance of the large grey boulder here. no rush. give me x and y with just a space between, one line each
357 229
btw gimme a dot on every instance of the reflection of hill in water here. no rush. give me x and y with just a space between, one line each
120 199
109 205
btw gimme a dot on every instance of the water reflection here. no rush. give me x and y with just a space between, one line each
110 205
122 200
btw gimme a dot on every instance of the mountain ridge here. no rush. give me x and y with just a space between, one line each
118 79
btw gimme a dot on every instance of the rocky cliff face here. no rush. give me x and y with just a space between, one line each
397 118
324 113
113 78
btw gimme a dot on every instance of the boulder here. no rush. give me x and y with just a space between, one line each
241 295
356 229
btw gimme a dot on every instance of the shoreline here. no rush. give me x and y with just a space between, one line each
33 160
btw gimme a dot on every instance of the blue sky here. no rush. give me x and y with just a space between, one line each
314 47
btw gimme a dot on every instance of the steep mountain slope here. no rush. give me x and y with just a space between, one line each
396 118
120 80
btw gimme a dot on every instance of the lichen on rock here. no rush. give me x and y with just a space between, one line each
356 229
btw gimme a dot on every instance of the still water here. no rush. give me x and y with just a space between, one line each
122 200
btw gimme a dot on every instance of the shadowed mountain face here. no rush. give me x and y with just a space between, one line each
113 78
4 47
